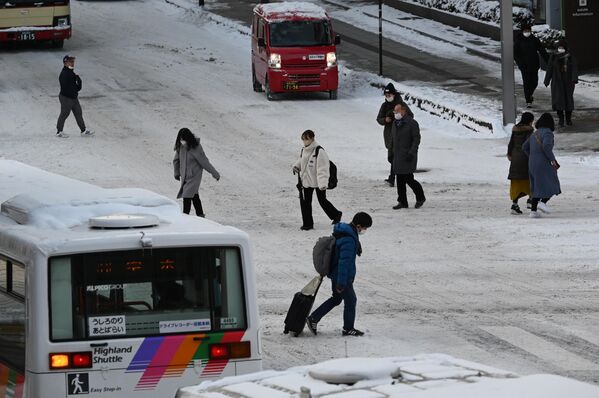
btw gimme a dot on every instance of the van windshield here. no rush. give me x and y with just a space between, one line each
300 33
146 292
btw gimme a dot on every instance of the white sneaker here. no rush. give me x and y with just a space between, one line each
534 214
544 208
87 133
60 134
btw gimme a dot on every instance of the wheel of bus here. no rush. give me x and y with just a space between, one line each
333 94
255 82
58 43
269 94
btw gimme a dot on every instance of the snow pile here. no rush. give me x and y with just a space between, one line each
293 9
422 376
547 35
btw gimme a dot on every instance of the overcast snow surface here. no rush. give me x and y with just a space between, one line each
460 276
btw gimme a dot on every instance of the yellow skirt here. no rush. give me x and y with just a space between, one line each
518 188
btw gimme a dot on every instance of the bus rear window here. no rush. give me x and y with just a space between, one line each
144 293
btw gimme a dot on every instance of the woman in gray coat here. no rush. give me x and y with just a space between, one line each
189 164
562 73
542 166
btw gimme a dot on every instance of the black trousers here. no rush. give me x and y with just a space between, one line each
408 179
390 160
530 80
197 204
306 205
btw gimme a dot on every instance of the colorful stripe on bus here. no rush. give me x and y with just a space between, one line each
11 383
168 356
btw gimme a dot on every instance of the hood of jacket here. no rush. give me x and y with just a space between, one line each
347 229
525 129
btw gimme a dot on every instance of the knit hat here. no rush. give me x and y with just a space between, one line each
390 89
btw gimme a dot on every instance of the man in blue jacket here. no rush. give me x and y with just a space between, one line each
342 274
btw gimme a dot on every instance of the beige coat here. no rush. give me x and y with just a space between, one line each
313 170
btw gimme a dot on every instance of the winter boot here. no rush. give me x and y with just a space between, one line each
560 116
569 118
516 209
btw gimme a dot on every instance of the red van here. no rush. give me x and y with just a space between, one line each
293 49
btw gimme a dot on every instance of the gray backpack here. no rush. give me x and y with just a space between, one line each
322 254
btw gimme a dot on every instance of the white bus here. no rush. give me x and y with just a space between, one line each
115 293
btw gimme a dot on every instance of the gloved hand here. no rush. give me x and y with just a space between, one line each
296 169
409 157
178 178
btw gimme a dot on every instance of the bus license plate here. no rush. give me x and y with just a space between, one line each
291 86
27 36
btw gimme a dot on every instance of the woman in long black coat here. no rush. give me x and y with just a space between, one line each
562 73
518 175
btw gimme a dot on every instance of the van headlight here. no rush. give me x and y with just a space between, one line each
274 61
61 22
331 60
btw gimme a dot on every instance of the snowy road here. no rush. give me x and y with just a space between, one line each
459 276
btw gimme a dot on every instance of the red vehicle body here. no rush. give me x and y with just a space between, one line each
293 49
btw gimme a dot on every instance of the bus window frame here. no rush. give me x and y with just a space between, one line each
212 273
9 292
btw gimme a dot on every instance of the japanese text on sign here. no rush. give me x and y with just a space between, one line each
186 325
107 325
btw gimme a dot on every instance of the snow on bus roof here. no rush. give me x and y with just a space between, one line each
422 376
35 197
292 9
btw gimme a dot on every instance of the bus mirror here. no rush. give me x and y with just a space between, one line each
261 42
337 40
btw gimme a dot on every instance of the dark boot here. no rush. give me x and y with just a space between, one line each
560 115
569 118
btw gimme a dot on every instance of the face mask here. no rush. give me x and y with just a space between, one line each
307 142
362 232
390 98
526 34
183 142
70 67
398 116
561 50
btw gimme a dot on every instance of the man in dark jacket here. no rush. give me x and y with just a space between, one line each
527 49
70 85
385 118
406 139
342 274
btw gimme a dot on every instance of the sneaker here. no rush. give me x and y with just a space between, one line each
419 204
87 133
516 209
544 208
337 219
390 182
60 134
312 326
534 214
529 204
400 206
352 332
306 228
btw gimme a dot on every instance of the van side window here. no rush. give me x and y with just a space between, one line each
254 25
261 29
12 321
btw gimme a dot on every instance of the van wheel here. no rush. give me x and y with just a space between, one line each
57 43
255 82
269 94
333 94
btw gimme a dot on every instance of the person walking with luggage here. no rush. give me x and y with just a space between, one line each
312 168
70 85
527 50
406 139
542 165
562 74
189 164
518 174
343 273
385 119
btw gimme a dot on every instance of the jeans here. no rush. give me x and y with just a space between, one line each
306 205
402 180
348 296
197 204
66 106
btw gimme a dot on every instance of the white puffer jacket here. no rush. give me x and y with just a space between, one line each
314 170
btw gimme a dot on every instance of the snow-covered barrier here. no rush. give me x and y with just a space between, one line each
421 376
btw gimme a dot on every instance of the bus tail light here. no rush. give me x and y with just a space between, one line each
231 350
70 360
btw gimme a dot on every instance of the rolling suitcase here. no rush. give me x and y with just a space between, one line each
300 307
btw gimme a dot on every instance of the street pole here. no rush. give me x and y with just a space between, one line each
507 63
380 37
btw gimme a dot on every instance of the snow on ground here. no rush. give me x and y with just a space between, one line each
459 276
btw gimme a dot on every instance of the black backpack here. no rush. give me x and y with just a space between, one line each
332 171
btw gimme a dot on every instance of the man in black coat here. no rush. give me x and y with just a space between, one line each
385 119
406 139
70 85
527 49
